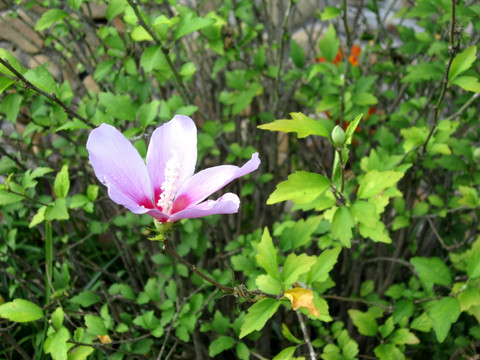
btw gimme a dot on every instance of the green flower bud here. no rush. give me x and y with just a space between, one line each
338 137
476 154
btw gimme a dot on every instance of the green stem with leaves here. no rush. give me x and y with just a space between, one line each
237 291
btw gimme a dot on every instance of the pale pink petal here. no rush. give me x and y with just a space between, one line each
119 166
160 216
207 181
227 204
178 137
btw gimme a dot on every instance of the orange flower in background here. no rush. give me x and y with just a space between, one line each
355 52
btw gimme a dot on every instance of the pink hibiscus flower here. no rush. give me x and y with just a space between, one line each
165 187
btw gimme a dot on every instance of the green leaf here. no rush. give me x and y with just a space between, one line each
57 318
57 211
387 328
61 185
473 267
267 255
258 314
329 44
468 83
297 54
148 113
268 284
243 353
388 352
462 62
351 129
289 336
220 344
95 325
114 8
103 69
365 213
7 197
20 310
188 24
444 313
364 99
422 323
329 13
118 106
85 298
81 353
286 354
41 78
342 224
6 55
245 98
365 322
404 336
302 187
300 123
374 182
5 83
38 217
296 265
56 344
324 264
49 18
432 270
220 323
140 34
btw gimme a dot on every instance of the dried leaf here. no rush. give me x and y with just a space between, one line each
300 297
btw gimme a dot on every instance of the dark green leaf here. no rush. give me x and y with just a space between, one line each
220 344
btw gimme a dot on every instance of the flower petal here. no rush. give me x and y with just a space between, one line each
207 181
227 204
178 137
119 166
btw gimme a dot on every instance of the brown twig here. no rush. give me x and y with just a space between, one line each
453 50
237 291
53 97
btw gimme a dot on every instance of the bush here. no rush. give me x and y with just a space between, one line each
358 242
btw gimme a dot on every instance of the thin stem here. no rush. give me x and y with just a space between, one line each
193 268
165 51
276 89
306 337
52 96
342 168
48 258
453 51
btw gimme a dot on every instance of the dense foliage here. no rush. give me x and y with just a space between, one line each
352 241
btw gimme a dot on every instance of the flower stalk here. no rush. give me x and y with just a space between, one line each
48 259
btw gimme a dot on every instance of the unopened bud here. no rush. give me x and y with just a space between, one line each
338 137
